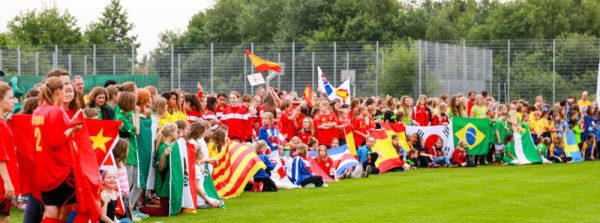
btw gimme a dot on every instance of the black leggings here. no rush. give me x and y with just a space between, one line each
268 184
317 180
556 160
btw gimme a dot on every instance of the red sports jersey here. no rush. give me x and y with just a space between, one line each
441 119
305 136
459 156
209 115
469 106
8 154
325 136
287 127
359 124
325 165
193 116
249 126
52 157
220 109
422 115
236 118
71 113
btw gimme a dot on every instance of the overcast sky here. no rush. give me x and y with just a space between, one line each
149 17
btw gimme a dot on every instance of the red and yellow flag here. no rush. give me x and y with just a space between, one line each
237 165
308 96
262 65
388 157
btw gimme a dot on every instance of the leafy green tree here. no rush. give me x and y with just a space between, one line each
112 27
48 26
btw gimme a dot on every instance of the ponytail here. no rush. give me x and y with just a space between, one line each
47 90
166 131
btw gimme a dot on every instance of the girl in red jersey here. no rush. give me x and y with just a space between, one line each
8 156
209 112
235 117
193 109
54 175
421 115
325 162
326 123
359 126
70 103
308 130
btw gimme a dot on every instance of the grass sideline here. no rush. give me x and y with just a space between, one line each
535 193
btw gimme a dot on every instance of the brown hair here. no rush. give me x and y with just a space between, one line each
127 101
153 91
56 73
52 85
159 106
120 150
312 141
29 105
219 138
194 102
197 130
95 93
128 86
112 92
4 88
90 113
301 150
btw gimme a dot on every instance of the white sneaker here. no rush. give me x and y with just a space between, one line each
136 219
325 185
310 185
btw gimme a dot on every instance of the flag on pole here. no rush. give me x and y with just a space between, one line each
598 85
237 164
262 65
324 85
343 92
308 96
256 79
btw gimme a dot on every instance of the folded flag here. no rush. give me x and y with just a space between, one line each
279 175
475 131
237 164
262 65
571 147
188 162
350 140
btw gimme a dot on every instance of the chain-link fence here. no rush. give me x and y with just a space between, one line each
508 69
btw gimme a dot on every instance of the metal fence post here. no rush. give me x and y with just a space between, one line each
172 67
0 59
464 59
553 71
376 67
84 65
347 60
279 76
212 69
312 70
37 63
114 62
94 60
252 69
55 59
179 71
245 72
132 59
293 66
420 64
446 69
334 64
69 64
19 60
507 86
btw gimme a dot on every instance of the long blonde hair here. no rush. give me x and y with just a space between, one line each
168 130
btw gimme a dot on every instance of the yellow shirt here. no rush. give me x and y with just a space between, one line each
538 126
583 103
171 118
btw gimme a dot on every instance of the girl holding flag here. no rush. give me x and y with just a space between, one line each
8 156
54 172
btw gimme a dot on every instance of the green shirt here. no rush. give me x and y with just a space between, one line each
543 149
501 127
509 148
577 132
479 111
128 128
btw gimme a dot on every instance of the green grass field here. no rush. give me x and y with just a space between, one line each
536 193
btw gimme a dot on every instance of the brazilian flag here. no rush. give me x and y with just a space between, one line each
475 131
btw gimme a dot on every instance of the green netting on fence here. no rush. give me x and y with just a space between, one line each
26 82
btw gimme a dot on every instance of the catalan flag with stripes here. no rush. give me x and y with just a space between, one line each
308 96
237 165
262 65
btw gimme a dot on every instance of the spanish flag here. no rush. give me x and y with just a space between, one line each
262 65
237 165
388 158
308 96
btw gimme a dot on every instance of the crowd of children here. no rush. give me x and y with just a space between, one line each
281 127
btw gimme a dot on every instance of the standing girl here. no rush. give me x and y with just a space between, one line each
8 156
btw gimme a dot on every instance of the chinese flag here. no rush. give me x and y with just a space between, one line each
262 65
104 135
86 174
308 96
